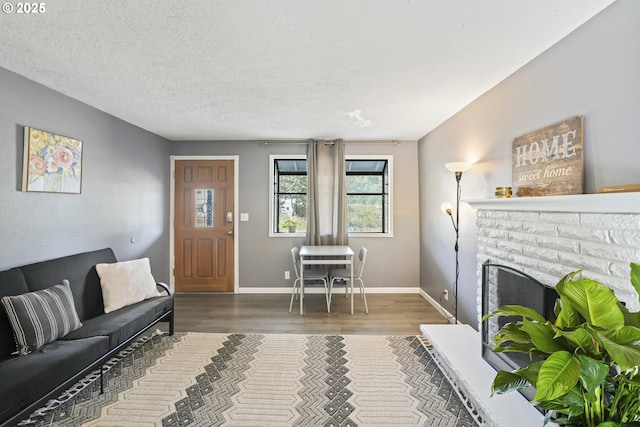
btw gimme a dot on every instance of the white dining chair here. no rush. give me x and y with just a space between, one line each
311 276
344 275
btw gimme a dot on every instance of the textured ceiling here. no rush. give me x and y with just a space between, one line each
283 69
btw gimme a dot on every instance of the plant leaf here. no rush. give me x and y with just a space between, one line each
582 338
626 356
514 347
506 382
592 375
530 373
571 404
635 277
515 310
595 302
542 335
625 335
558 374
566 279
511 332
566 315
630 319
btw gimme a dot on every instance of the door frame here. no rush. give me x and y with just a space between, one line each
236 215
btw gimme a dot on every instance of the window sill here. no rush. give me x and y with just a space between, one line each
377 235
351 235
279 235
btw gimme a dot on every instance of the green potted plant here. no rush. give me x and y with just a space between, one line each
588 375
290 224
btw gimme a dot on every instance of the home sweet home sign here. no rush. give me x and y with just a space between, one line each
550 161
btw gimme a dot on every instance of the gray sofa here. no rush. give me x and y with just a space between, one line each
27 382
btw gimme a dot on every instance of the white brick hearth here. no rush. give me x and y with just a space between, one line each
550 237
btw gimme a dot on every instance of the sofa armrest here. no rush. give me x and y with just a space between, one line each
164 286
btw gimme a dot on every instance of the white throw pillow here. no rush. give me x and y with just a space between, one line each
125 283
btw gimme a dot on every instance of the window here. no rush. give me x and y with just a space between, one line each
368 195
289 195
368 180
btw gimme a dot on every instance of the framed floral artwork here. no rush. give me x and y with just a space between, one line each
52 163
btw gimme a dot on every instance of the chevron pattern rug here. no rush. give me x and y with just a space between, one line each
198 379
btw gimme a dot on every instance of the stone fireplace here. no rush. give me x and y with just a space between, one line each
549 237
545 238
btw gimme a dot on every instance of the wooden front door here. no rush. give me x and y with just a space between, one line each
203 228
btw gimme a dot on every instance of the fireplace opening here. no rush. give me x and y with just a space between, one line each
503 285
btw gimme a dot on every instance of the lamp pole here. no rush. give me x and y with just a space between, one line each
458 168
457 229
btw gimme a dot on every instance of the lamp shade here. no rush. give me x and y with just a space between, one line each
457 166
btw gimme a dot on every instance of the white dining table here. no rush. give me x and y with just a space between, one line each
325 255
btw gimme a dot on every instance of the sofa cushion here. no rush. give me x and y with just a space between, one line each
125 283
11 283
27 379
38 318
120 325
80 270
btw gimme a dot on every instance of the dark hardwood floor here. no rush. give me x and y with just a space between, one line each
389 314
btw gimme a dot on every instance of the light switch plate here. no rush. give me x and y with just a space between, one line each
244 216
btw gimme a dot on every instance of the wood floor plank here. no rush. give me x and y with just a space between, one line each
389 314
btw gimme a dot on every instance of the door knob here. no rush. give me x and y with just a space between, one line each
230 232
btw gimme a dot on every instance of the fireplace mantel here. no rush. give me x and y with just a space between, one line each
596 203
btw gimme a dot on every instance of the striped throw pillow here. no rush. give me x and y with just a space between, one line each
41 317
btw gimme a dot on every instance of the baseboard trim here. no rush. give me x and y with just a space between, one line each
437 305
319 290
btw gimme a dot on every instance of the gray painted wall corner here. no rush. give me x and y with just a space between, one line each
125 183
592 72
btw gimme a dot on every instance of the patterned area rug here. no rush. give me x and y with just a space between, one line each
197 379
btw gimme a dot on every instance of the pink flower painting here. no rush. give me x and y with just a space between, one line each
53 162
37 166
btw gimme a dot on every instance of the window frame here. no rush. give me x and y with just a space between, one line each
389 194
272 202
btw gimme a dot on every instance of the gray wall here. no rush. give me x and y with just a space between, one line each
125 193
391 262
125 183
592 72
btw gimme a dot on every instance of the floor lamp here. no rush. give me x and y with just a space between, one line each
458 168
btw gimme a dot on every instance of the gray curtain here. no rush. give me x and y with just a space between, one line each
326 194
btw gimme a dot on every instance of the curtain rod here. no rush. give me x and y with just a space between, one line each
394 142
